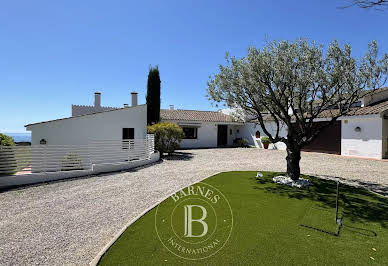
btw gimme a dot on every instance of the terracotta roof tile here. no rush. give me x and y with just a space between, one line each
367 110
77 110
194 115
373 92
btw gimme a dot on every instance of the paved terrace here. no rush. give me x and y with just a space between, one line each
69 222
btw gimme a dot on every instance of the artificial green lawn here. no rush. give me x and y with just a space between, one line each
267 229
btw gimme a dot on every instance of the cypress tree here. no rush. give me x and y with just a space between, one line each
153 96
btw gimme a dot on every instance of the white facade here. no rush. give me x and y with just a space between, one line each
207 134
365 136
248 132
87 128
362 136
370 142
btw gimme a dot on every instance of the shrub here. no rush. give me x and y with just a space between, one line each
7 155
6 140
72 161
242 143
265 140
167 136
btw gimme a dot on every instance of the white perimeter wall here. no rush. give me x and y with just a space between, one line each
367 142
248 132
27 179
84 129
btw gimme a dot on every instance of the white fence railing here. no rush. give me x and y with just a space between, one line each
63 158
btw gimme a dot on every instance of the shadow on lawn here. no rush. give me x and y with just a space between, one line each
372 186
356 204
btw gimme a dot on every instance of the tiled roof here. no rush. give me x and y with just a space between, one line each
77 110
194 115
373 92
367 110
362 94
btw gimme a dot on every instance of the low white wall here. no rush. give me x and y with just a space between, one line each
248 132
367 142
34 178
84 129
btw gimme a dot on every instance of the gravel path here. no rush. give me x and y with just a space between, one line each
69 222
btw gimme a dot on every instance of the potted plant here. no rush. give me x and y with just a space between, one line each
266 141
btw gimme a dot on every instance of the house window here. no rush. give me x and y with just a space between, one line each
230 131
128 133
257 134
190 132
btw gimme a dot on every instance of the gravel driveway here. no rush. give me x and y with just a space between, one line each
69 222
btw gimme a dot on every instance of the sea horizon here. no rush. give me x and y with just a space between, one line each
19 136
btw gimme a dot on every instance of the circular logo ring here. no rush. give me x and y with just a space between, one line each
186 228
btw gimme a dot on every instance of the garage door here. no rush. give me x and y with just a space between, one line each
328 141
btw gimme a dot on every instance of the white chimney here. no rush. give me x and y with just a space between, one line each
134 98
97 99
171 107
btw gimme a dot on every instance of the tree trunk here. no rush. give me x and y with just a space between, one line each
293 159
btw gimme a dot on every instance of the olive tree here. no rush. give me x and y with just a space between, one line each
295 83
370 3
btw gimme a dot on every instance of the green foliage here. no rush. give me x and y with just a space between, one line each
265 140
72 161
167 136
294 83
153 96
7 155
6 140
242 143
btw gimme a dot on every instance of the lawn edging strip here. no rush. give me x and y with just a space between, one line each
97 258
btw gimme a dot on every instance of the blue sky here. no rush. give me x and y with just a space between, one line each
57 53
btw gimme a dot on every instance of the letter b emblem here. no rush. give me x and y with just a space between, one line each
189 220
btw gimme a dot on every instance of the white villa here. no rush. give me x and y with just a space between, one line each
93 123
364 133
